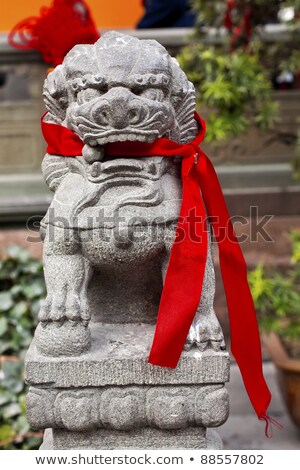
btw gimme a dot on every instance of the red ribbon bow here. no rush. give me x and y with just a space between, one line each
59 27
202 196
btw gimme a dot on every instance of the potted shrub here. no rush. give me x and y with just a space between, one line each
277 299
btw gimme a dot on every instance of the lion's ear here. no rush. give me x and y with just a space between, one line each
55 95
184 102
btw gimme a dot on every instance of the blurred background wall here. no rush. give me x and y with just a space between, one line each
107 14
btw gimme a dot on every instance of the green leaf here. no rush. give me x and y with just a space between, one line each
33 266
218 92
11 410
36 289
6 301
16 290
3 326
34 442
6 346
6 432
19 309
22 402
21 425
13 376
35 308
18 253
4 398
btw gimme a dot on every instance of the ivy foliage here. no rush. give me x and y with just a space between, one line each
22 289
15 431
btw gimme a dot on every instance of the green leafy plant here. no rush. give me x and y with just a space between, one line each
22 289
277 297
233 68
229 85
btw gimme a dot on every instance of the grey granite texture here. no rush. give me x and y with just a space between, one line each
110 228
191 438
107 241
118 356
128 408
111 391
243 430
188 439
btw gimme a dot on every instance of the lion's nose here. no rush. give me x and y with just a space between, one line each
118 113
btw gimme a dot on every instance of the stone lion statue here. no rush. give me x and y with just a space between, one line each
110 228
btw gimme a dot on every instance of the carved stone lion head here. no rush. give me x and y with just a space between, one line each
121 89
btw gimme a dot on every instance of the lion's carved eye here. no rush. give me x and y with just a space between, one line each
89 94
155 94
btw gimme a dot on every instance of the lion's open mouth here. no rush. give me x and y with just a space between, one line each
127 135
148 131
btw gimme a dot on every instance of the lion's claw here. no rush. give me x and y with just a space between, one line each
62 306
205 333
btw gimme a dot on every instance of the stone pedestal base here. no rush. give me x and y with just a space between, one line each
111 398
191 438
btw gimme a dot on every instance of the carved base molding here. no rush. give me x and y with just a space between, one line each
110 397
128 408
144 438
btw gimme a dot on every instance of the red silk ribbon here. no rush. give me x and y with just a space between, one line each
244 26
57 29
201 197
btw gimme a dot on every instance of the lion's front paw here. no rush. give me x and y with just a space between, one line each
61 306
205 333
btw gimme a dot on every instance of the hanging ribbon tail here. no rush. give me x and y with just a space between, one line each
269 422
231 4
245 340
184 278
